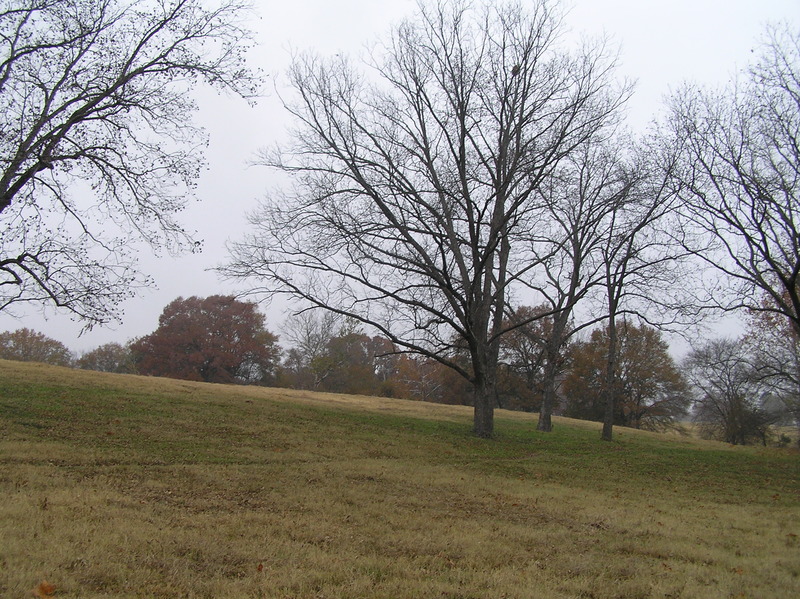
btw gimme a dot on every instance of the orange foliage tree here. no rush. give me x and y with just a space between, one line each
651 393
217 339
27 345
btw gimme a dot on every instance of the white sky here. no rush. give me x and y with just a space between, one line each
662 44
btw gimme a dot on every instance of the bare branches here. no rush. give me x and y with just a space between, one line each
739 179
93 100
416 185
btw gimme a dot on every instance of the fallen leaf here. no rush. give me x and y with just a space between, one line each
44 590
260 567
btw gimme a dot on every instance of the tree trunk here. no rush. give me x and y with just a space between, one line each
794 409
484 407
553 351
545 423
611 381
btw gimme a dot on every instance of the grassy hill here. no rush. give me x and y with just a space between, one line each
124 486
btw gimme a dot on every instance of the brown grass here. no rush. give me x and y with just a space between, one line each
121 486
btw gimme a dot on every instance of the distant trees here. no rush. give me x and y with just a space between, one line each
533 356
217 339
651 393
356 363
734 389
110 357
424 379
27 345
728 393
97 146
332 354
415 199
352 363
308 333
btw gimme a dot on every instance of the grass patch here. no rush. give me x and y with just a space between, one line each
123 486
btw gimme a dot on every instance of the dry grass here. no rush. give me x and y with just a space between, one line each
119 486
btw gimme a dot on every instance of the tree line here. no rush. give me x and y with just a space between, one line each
465 189
220 339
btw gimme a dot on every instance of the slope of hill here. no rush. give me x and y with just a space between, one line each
124 486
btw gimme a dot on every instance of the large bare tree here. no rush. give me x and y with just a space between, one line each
414 180
97 147
739 180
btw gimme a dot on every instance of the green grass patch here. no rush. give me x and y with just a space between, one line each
123 486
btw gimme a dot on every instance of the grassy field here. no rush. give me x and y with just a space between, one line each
122 486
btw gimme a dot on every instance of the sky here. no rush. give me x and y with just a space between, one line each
661 44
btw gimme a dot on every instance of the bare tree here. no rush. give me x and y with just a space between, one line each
97 148
413 183
602 244
739 180
580 202
728 393
308 334
644 272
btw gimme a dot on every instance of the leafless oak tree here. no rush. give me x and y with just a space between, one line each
97 147
414 182
773 347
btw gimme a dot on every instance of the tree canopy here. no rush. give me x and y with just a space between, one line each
27 345
738 177
109 357
217 339
651 393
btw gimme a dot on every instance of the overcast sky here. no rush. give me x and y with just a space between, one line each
662 43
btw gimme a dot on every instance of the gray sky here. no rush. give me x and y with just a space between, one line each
662 44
